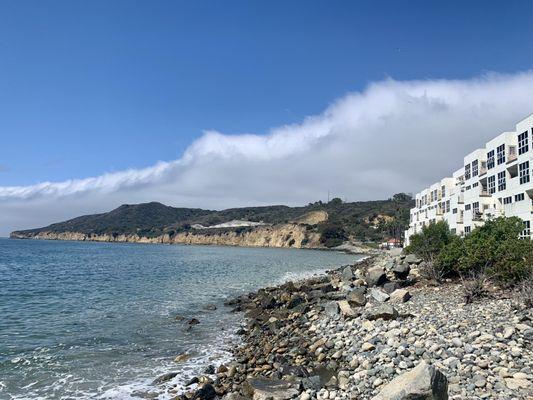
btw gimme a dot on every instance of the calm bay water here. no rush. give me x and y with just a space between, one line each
96 320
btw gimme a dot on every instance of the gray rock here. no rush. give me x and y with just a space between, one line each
272 389
379 295
332 308
390 287
356 297
375 276
347 274
412 259
384 311
424 382
401 271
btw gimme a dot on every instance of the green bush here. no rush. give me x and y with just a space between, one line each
332 234
429 243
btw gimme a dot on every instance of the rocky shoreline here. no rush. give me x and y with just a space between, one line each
374 330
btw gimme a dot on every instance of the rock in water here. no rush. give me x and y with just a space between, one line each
424 382
375 276
206 392
272 389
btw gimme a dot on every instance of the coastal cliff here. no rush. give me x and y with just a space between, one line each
283 235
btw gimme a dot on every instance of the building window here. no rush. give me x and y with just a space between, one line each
501 181
492 184
475 207
467 230
507 200
523 172
490 159
448 206
454 211
443 191
467 171
500 154
467 207
474 168
475 184
467 187
525 234
453 230
523 145
519 197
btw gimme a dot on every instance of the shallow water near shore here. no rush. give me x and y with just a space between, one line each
96 320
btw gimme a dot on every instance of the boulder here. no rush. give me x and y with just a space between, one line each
332 308
424 382
347 274
206 392
375 276
379 295
295 300
412 259
271 389
384 311
401 271
390 287
356 297
345 308
164 378
400 296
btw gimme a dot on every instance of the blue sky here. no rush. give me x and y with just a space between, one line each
93 87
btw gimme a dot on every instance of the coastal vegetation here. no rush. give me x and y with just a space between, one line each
493 251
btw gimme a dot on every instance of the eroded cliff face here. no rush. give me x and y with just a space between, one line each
285 235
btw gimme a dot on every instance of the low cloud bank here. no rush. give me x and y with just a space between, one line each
395 136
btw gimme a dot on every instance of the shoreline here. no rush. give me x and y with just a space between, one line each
347 248
352 330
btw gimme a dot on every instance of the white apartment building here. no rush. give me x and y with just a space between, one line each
494 180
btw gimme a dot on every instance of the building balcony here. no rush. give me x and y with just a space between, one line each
477 216
511 155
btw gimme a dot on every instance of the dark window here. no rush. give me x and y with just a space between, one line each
454 211
523 145
467 171
492 184
474 168
467 207
507 200
519 197
443 191
523 172
467 230
501 181
490 159
500 154
527 230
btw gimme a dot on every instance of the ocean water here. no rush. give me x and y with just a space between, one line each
97 320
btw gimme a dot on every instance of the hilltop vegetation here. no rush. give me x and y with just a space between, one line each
362 221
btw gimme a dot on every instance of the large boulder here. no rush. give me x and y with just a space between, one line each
347 274
412 259
332 308
401 271
375 276
356 297
400 296
384 311
272 389
379 295
424 382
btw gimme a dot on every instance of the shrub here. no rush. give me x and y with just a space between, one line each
332 234
495 249
429 243
474 288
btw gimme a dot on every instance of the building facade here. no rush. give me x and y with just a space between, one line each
494 181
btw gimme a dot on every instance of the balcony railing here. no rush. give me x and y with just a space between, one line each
484 193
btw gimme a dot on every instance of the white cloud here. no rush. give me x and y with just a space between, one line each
394 136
